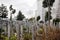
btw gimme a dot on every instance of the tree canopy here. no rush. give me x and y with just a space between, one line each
46 3
46 16
56 20
20 16
49 4
3 11
11 9
31 19
38 18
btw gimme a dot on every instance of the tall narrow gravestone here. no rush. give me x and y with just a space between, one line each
58 11
8 30
0 22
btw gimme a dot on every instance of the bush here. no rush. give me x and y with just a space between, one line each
4 37
13 37
40 31
27 36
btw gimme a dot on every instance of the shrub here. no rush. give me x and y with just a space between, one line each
27 36
40 31
13 37
4 37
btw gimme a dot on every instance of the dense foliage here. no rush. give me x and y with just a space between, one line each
20 16
47 3
11 9
38 18
27 36
56 21
46 17
3 11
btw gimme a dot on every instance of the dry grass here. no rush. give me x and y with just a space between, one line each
51 33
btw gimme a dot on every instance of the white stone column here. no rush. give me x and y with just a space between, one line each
17 30
59 25
8 30
32 25
21 32
32 33
58 9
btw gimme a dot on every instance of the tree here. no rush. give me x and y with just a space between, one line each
32 19
46 17
3 11
56 21
49 4
20 16
38 18
12 11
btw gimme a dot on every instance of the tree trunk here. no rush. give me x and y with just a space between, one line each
49 9
49 15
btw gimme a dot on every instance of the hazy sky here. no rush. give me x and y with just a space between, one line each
27 7
23 5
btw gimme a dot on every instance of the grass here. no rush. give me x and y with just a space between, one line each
51 33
